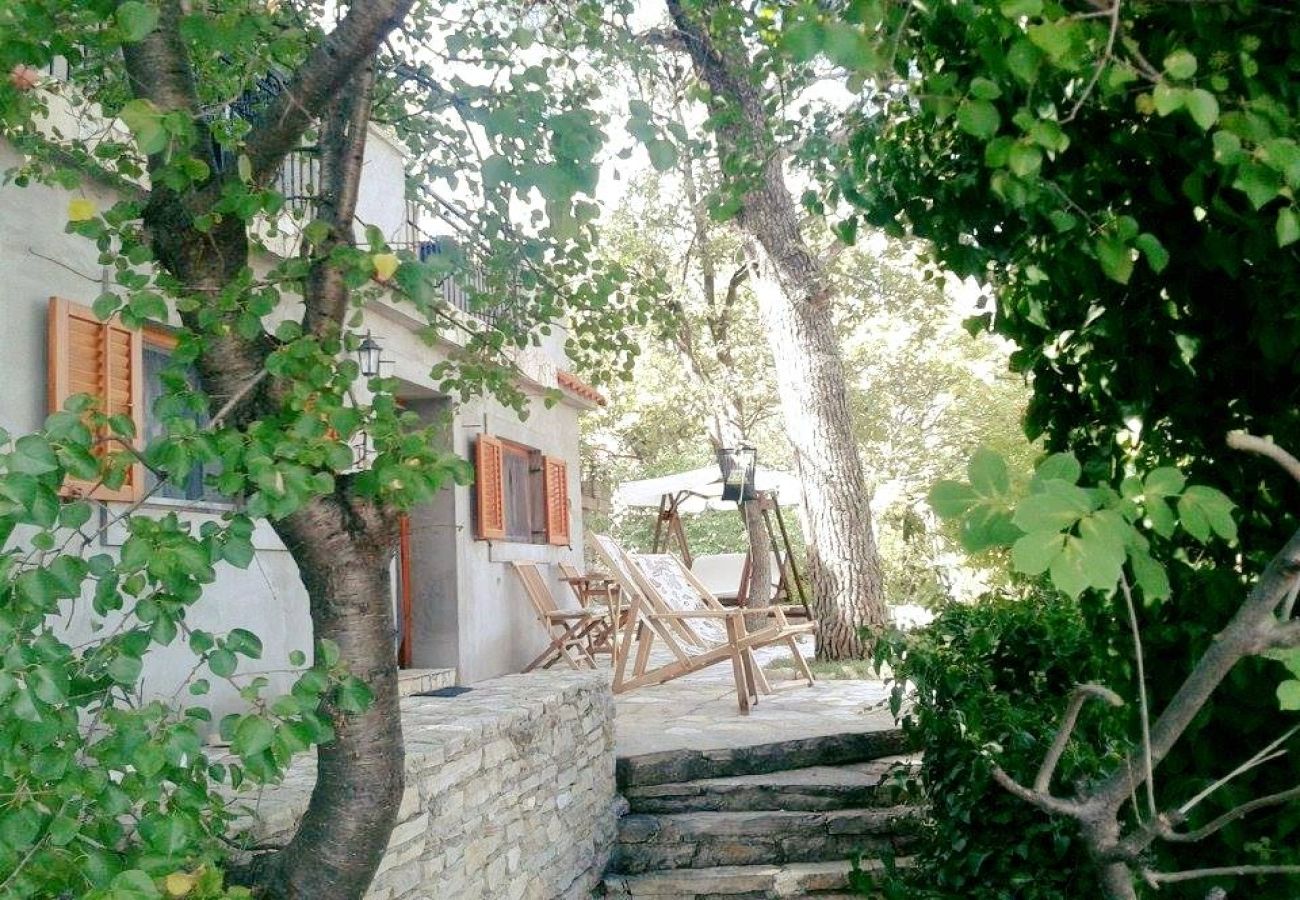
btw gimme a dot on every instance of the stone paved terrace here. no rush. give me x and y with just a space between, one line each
698 712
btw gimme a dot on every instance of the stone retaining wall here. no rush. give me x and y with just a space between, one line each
509 792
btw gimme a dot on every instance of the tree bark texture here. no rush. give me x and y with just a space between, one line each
341 543
795 297
343 550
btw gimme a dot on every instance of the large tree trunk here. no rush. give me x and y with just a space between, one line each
343 550
341 543
795 296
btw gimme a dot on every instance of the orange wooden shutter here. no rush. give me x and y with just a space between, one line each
105 360
490 489
555 486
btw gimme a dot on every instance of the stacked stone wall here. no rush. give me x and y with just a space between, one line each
509 792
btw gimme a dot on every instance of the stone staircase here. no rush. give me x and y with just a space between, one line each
775 820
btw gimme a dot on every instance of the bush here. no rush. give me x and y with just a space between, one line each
993 677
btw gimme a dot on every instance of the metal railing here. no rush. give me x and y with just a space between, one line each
465 286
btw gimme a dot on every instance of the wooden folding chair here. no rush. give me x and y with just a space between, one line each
696 638
601 594
569 630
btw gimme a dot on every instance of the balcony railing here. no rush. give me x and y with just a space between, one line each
461 290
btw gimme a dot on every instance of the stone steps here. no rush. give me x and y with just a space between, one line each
815 788
706 839
769 821
815 879
676 766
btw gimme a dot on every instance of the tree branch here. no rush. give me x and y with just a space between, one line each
1155 879
1082 694
333 63
1240 440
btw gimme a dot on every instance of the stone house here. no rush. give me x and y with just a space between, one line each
458 606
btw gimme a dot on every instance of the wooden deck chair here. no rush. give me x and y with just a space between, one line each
682 589
692 647
569 630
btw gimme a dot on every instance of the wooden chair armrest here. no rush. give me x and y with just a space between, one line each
572 614
699 614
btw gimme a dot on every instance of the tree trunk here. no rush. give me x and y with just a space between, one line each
343 550
341 543
795 302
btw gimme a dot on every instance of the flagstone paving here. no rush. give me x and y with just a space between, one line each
698 712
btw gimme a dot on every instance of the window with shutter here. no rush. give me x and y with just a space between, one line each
103 359
556 490
489 489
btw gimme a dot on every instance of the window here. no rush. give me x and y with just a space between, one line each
103 359
124 369
522 496
157 353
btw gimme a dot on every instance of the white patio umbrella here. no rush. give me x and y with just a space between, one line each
703 487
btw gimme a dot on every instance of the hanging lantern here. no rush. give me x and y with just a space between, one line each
368 354
738 465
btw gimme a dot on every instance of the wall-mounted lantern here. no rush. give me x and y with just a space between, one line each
369 354
738 465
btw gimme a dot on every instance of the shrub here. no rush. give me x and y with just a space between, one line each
994 676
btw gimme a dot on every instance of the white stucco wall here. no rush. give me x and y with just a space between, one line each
495 631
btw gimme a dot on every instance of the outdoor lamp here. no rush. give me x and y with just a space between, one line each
738 465
368 354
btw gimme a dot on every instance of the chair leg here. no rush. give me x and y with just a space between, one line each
545 658
760 677
799 661
738 667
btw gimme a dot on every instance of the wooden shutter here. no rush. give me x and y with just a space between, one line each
105 360
555 488
490 489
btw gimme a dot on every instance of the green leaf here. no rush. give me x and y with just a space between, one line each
985 527
1288 226
133 884
1150 576
253 734
1057 507
222 662
50 685
33 455
1035 552
20 827
1025 160
1289 657
241 640
1288 695
1180 64
1059 466
1203 510
950 499
353 695
1203 107
987 471
1014 9
984 89
663 154
145 121
1164 482
1168 99
1157 256
979 118
125 669
136 20
297 658
1069 570
1116 259
1161 517
1260 183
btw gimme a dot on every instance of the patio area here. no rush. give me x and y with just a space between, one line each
698 711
